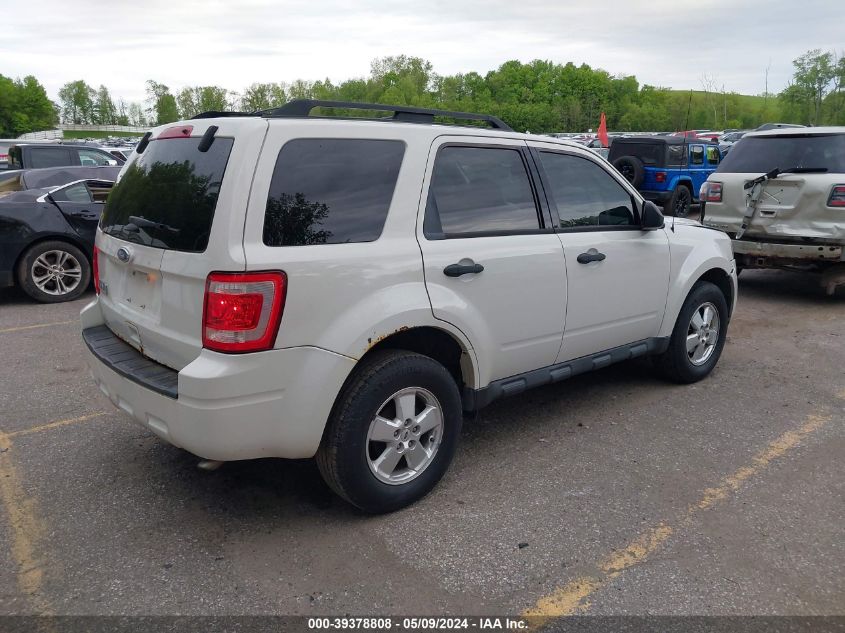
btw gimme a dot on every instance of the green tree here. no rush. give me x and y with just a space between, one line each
77 99
162 108
105 112
263 96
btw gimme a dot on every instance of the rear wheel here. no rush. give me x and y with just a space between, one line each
54 271
393 431
680 203
698 337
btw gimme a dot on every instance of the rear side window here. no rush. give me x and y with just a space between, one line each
49 157
479 190
166 198
759 154
331 191
585 194
696 155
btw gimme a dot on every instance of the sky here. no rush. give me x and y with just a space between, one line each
233 43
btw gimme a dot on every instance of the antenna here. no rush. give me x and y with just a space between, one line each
689 107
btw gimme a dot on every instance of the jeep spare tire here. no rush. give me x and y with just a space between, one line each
632 168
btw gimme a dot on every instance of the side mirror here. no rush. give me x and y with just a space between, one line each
652 218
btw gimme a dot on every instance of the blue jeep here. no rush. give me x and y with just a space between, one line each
668 170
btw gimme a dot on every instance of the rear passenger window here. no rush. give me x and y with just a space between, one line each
585 194
697 154
479 190
331 191
49 157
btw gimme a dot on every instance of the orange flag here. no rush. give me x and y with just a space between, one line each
603 131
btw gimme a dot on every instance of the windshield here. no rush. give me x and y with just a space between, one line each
167 196
760 154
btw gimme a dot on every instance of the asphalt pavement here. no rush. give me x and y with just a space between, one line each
613 493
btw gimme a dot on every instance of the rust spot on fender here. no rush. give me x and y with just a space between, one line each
372 342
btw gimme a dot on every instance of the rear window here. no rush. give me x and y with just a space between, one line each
759 154
166 198
331 191
651 154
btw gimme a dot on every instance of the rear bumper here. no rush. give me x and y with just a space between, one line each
660 197
750 251
227 406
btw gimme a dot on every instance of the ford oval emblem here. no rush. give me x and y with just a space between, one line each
124 254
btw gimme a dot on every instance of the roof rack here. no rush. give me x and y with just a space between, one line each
301 108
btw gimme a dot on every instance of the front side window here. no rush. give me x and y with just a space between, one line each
331 191
712 156
697 155
585 194
479 190
91 158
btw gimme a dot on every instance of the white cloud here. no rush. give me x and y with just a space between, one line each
232 44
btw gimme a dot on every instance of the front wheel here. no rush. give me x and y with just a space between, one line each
698 337
392 433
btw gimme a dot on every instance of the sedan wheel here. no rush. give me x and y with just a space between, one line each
56 272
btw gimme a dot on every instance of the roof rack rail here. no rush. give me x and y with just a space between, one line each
301 108
214 114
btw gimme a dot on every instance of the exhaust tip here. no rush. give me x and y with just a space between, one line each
209 464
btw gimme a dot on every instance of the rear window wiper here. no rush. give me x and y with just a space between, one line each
777 172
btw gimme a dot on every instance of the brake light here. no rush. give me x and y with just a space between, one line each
95 266
179 131
711 192
242 311
837 196
660 176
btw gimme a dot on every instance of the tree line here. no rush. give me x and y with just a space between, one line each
539 96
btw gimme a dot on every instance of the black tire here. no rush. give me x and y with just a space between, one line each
675 363
343 454
680 203
631 168
52 292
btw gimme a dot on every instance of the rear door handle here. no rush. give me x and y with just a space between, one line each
591 255
456 270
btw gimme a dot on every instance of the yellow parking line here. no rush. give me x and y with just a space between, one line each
573 598
56 424
32 327
26 529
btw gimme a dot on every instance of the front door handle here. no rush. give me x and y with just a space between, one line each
456 270
591 255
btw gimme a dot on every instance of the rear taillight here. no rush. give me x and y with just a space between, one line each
242 311
95 266
660 176
837 196
711 192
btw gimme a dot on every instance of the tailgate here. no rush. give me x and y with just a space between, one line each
175 215
790 206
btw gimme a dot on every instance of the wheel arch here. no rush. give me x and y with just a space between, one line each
436 343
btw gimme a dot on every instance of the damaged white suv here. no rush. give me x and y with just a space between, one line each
285 285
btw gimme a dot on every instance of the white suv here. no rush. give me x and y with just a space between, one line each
283 285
